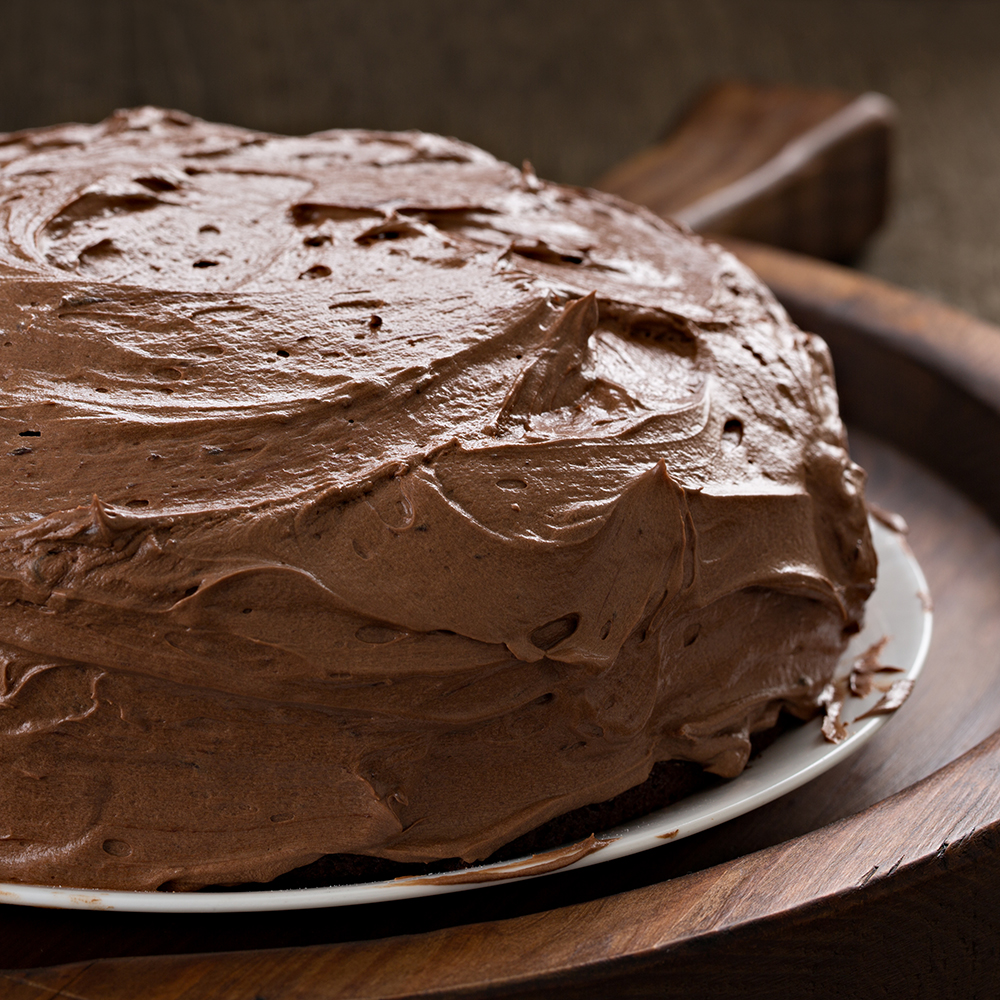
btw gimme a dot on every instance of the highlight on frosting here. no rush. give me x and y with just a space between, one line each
366 494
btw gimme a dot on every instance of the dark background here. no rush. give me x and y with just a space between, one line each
573 85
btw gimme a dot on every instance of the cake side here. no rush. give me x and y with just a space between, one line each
368 495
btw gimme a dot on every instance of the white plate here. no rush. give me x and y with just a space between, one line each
899 609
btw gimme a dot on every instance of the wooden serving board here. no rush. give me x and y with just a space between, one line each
805 891
879 879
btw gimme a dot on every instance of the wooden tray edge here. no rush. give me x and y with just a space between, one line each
877 877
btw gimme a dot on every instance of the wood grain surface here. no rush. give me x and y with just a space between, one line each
792 167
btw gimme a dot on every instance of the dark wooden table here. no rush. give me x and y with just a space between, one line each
879 879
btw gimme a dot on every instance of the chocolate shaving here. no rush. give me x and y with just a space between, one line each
865 666
891 700
833 729
861 684
868 661
831 700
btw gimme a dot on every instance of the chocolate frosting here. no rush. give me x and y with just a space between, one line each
365 494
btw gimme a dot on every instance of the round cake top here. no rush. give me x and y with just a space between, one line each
200 316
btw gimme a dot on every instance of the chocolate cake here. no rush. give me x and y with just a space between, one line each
365 495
